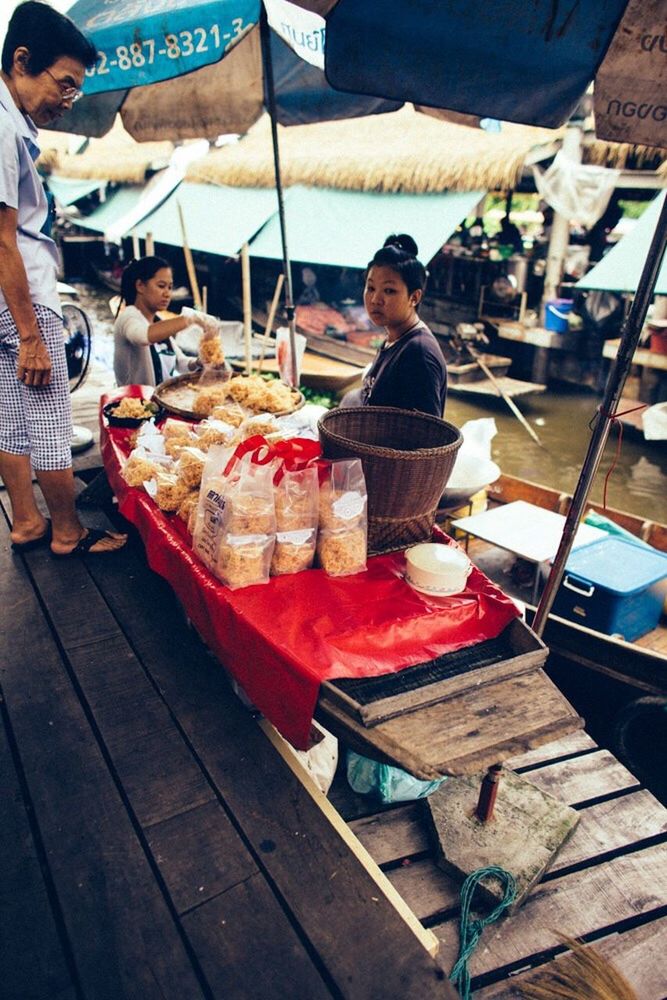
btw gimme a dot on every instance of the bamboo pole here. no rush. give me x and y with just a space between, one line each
150 245
272 316
204 298
136 249
247 306
189 263
510 402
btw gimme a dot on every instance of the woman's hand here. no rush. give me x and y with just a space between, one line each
34 365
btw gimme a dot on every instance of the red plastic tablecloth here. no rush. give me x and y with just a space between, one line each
282 639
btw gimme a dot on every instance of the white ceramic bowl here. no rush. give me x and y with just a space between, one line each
433 568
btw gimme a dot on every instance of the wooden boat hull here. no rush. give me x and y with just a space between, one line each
641 664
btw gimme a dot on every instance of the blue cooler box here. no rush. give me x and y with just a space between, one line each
614 586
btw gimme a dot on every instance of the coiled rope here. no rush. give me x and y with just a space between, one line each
470 929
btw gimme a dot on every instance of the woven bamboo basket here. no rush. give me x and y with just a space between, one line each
407 458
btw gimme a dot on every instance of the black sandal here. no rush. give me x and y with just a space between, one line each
85 544
34 543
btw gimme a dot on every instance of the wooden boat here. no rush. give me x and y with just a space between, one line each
642 663
320 373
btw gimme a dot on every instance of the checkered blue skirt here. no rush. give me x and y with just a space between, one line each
36 420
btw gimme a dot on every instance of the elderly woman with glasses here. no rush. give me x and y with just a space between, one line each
44 59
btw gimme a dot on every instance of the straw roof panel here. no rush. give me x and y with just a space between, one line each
402 151
116 157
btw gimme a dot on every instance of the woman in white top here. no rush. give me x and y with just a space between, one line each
145 289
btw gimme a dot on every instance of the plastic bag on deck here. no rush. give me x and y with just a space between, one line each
389 784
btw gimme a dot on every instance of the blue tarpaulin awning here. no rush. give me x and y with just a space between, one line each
217 219
68 190
620 268
345 228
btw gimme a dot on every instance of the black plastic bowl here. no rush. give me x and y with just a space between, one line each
130 421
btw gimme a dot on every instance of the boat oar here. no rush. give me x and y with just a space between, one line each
272 316
501 392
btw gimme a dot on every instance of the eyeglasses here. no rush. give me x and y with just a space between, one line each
67 92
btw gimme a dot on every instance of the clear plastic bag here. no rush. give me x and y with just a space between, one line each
388 783
343 553
343 497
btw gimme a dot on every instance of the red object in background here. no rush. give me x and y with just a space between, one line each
659 341
282 639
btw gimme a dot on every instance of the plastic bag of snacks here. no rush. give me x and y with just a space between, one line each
190 466
343 500
142 466
167 490
211 432
236 522
296 499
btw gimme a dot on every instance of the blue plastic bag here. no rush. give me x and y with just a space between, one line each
390 784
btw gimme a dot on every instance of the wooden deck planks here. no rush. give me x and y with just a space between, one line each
292 834
165 781
609 875
32 959
638 954
115 915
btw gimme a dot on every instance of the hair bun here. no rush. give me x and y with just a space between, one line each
402 241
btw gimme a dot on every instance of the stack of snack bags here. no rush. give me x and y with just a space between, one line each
343 501
235 524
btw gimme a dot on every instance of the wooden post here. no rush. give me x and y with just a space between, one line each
271 317
136 249
189 263
204 298
487 793
247 306
560 227
150 245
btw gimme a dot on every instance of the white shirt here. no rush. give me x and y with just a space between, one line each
21 189
132 362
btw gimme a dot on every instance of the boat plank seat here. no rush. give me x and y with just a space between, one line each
606 885
154 843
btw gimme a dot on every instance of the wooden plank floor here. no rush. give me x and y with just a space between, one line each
608 885
153 843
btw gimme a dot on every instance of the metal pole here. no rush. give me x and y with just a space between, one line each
271 100
632 328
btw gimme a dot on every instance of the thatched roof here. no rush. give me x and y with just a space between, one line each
116 157
622 155
401 151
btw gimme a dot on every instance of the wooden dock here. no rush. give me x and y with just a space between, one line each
155 844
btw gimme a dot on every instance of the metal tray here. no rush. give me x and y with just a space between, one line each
176 395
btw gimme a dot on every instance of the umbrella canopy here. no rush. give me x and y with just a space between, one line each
519 62
621 267
181 69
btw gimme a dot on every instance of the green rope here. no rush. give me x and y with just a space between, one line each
470 930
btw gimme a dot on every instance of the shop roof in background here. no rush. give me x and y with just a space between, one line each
217 219
106 214
399 151
620 268
116 157
67 191
345 228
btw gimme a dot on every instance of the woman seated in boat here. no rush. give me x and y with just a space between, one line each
145 288
409 370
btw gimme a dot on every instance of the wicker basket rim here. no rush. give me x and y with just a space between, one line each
412 455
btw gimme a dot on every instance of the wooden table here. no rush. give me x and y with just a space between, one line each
528 531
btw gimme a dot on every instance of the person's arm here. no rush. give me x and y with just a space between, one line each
163 329
34 364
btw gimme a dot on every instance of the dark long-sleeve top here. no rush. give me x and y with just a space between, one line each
409 374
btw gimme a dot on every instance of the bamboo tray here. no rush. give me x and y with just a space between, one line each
176 395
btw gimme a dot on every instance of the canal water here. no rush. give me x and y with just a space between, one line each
561 418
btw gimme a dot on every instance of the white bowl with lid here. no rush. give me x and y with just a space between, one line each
437 569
